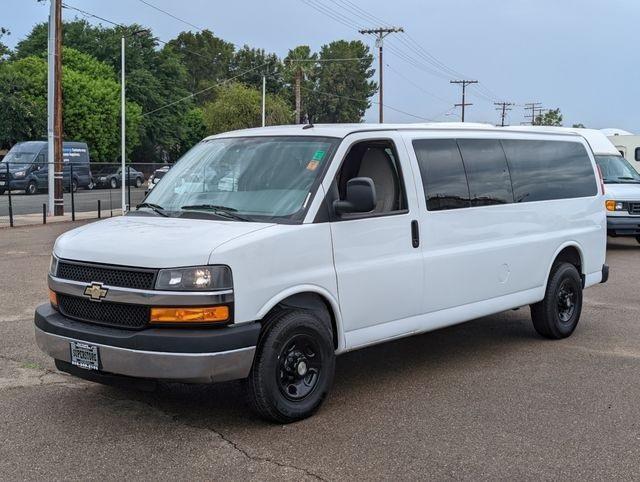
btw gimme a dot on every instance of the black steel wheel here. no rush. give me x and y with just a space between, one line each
293 368
557 315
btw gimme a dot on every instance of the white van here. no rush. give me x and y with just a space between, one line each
264 253
629 147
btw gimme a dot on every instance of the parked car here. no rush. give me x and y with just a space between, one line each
156 176
28 167
110 176
292 245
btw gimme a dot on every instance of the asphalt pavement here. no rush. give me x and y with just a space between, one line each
488 399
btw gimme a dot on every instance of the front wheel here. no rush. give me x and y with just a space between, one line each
293 368
138 182
557 315
113 182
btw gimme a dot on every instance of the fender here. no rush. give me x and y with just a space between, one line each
566 244
308 288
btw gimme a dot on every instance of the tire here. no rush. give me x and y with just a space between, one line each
32 188
74 185
138 182
113 182
1 192
91 185
557 315
293 368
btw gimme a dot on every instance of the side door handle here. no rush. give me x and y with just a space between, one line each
415 234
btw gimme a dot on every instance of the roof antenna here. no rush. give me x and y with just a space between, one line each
308 126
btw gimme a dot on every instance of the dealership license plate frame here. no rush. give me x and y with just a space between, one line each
84 355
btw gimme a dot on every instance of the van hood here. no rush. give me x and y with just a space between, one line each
149 241
622 192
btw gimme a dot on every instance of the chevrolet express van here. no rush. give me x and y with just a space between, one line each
622 181
28 169
264 253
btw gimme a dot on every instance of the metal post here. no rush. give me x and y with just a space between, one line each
123 131
110 203
9 194
381 106
99 210
128 187
264 97
44 213
50 105
73 204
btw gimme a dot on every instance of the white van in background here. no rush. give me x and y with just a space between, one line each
629 147
304 242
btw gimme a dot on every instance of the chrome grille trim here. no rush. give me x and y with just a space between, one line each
119 294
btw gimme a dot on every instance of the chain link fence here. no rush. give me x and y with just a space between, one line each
90 190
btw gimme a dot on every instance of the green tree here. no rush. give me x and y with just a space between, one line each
237 106
207 58
342 89
4 50
552 117
580 125
300 73
91 103
249 58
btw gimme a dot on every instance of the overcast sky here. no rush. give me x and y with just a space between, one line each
579 55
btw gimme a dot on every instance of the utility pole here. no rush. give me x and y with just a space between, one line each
380 34
264 100
464 84
51 107
58 202
532 106
504 107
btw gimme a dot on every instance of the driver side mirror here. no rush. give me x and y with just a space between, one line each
361 197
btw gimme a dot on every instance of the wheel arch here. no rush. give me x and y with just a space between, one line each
570 252
314 298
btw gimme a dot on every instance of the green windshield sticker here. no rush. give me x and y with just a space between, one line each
318 155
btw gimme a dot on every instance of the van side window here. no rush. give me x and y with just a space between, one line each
544 170
378 161
637 154
443 175
487 171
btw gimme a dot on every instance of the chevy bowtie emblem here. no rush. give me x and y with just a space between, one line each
95 291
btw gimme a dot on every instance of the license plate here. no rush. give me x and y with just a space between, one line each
84 355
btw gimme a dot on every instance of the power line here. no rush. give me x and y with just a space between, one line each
171 15
416 85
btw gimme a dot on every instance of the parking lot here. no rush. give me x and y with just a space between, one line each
487 399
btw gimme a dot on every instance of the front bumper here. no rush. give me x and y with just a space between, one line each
198 355
14 184
623 225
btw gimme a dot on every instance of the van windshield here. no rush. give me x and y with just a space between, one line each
18 157
617 170
245 178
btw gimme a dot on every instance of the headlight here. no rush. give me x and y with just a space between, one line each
616 206
53 266
103 178
19 174
198 278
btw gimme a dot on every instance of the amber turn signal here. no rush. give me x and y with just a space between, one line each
208 314
611 205
53 298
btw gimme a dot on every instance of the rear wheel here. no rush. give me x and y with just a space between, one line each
32 188
113 183
293 368
138 181
557 315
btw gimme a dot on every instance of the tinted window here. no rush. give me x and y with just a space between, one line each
543 170
443 176
487 171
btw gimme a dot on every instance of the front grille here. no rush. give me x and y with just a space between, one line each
104 312
111 276
634 208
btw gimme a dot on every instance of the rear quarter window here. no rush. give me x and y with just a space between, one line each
545 170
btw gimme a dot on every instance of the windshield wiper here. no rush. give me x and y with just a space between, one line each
223 211
156 208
